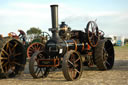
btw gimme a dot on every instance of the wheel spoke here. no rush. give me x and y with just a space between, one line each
18 64
41 71
3 58
93 42
107 63
77 71
35 48
93 27
30 52
38 48
32 47
93 30
10 51
37 45
38 72
70 62
14 46
5 52
72 57
1 66
7 46
2 53
76 65
2 62
17 54
77 60
5 64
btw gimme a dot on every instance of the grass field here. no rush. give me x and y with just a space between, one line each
121 52
121 47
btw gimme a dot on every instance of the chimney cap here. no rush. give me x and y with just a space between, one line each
54 5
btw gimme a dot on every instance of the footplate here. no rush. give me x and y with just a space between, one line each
48 62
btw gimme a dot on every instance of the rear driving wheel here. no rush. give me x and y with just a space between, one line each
12 58
72 65
104 55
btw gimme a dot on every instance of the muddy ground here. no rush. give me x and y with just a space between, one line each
91 76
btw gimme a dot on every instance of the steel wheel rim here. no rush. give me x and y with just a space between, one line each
37 71
74 66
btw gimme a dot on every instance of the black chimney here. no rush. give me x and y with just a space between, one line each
54 13
54 17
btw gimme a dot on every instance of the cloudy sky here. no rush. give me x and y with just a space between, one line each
111 15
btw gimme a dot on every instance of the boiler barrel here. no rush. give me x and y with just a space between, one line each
73 45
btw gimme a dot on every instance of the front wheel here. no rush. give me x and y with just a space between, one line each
35 70
72 65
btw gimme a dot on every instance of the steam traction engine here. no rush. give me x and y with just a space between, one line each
82 49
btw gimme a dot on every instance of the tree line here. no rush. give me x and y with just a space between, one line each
33 32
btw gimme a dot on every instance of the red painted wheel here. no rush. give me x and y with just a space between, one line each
34 47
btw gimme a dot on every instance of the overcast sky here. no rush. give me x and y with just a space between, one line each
111 15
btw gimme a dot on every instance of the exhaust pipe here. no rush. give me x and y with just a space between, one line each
54 17
54 14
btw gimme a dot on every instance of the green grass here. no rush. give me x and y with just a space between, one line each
121 47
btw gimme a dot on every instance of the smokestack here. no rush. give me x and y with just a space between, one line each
54 14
